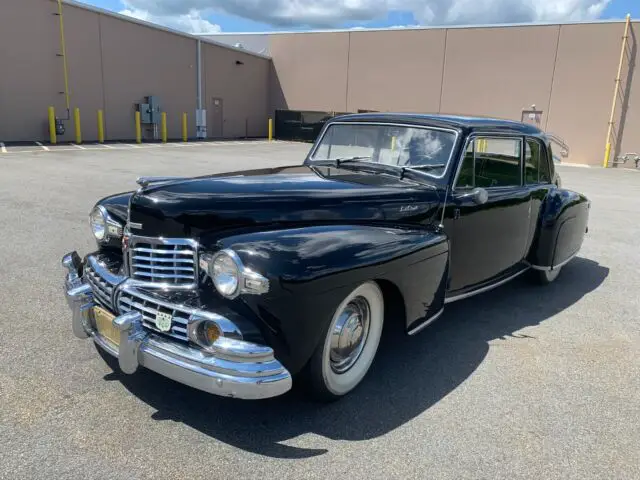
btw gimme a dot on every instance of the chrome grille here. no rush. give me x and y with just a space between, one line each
149 308
101 289
171 262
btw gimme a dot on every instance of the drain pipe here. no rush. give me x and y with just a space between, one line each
63 47
201 116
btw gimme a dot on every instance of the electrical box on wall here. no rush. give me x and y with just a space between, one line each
150 111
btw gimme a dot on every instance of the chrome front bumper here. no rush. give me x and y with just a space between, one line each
238 369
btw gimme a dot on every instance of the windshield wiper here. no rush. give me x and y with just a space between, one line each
427 167
359 163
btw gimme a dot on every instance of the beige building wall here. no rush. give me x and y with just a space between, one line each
583 84
567 71
498 71
310 71
400 70
113 63
31 74
243 89
629 102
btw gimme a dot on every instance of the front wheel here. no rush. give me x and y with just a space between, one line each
349 345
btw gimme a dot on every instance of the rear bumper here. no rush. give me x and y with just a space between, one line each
237 369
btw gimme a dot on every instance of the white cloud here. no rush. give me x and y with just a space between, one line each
333 13
190 22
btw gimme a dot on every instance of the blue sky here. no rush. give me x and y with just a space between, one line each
189 15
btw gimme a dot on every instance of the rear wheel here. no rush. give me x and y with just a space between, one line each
349 345
545 277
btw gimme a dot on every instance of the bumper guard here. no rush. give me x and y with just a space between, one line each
238 369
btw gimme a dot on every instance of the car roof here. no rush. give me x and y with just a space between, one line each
460 122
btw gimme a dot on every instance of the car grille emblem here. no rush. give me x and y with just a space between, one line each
163 321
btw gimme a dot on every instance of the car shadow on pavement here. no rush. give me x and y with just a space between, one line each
409 375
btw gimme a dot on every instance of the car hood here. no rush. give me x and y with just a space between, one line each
279 197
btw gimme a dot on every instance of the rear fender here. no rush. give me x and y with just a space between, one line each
312 269
561 228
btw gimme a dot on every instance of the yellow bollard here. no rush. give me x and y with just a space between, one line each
163 126
270 129
607 155
100 127
184 127
52 126
76 122
393 144
138 129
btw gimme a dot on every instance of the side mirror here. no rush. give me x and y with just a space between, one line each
478 195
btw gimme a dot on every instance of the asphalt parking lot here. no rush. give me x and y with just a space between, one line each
521 382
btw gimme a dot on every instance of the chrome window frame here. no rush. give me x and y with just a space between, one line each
133 239
544 152
456 133
473 136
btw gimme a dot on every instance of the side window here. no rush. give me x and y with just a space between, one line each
545 172
497 162
536 165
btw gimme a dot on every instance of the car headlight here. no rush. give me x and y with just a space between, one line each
103 226
225 273
230 276
98 221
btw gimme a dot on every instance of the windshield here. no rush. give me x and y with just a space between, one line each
403 146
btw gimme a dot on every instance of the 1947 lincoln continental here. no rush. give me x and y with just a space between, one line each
237 283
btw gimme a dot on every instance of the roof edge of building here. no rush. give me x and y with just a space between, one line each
155 26
417 27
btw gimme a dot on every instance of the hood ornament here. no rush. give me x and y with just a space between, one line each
145 181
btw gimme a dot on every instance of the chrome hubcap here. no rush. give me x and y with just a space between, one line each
349 335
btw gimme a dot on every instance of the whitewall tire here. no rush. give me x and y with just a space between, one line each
350 343
546 277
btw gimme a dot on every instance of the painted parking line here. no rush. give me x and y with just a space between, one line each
3 149
46 149
105 145
80 147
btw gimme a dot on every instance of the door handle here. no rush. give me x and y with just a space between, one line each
478 195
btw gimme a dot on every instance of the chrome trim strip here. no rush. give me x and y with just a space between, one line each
391 124
553 267
426 323
485 288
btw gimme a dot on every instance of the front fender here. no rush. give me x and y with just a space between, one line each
117 206
312 269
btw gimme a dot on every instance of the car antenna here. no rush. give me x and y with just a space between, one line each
444 206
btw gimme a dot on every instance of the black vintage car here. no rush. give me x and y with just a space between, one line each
235 283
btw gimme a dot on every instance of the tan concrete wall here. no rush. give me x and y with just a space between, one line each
399 70
82 30
139 61
242 88
30 72
114 63
498 71
583 86
311 70
629 102
567 71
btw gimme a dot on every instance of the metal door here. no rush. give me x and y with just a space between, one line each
217 118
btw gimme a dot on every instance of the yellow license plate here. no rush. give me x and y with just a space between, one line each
104 325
